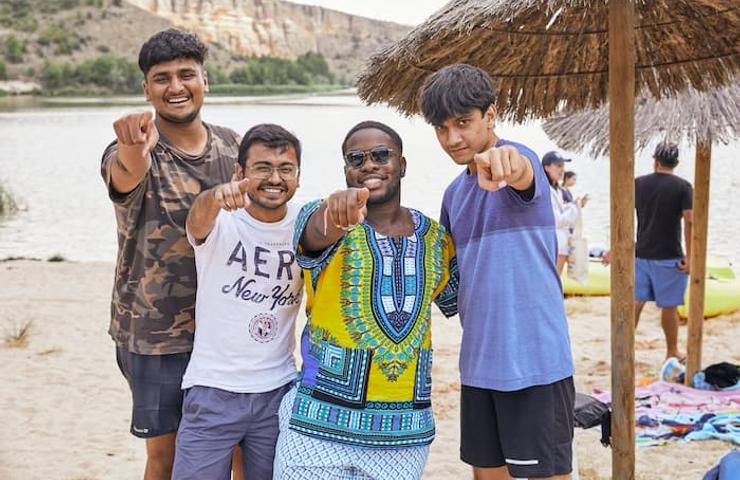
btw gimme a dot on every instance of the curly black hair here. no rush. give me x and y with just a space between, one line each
171 44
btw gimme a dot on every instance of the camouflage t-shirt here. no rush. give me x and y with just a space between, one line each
153 306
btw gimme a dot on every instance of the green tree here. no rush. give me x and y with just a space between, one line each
58 35
216 76
13 49
108 71
53 6
53 76
17 14
3 71
314 64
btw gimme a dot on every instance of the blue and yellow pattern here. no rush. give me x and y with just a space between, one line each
367 355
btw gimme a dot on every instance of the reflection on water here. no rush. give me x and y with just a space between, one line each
50 158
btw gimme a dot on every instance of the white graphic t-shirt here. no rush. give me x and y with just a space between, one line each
249 293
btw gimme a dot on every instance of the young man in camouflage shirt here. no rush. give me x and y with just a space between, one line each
154 170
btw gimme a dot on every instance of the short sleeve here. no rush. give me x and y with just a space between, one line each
446 300
318 260
213 237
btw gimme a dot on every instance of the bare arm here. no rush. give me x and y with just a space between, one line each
202 216
688 222
137 136
341 211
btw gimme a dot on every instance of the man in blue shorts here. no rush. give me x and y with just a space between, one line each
662 199
515 360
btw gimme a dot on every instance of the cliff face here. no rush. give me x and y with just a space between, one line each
280 29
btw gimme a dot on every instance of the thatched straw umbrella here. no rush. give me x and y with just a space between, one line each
550 55
701 118
697 117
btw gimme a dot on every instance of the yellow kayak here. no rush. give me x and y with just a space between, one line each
721 294
597 285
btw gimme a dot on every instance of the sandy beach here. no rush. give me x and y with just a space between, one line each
66 407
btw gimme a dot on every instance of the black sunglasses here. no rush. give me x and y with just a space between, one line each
379 155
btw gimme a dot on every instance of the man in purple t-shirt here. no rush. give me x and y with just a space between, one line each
516 368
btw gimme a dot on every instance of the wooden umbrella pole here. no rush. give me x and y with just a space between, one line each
622 184
698 259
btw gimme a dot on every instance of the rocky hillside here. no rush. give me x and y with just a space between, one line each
71 31
280 29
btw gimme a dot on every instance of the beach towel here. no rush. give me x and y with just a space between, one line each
668 412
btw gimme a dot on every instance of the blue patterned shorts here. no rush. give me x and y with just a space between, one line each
300 457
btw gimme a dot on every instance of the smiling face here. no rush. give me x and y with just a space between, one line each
384 180
465 135
270 194
176 89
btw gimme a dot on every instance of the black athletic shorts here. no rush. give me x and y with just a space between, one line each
530 430
155 382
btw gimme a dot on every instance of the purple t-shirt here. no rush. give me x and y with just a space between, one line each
515 334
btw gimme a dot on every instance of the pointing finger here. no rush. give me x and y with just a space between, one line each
497 166
244 185
362 195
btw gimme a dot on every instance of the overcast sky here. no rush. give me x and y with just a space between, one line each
408 12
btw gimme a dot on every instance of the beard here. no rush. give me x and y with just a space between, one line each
393 192
189 118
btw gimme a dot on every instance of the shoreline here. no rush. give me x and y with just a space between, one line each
69 402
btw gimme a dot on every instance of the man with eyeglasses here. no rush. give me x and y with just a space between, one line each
362 409
249 293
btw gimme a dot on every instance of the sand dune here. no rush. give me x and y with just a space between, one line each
66 408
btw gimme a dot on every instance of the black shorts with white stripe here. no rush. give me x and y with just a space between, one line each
530 430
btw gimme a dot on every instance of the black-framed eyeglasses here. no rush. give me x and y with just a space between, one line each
379 155
263 172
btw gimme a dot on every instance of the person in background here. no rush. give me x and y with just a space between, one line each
569 179
566 213
154 170
662 200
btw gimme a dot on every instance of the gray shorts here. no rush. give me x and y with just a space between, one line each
215 421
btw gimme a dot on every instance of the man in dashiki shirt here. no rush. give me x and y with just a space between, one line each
362 409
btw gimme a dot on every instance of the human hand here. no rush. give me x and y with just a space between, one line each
136 133
346 208
499 166
683 264
582 201
606 259
232 195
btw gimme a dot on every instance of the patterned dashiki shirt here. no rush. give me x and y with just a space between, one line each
367 356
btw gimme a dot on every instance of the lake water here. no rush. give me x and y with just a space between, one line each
50 159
